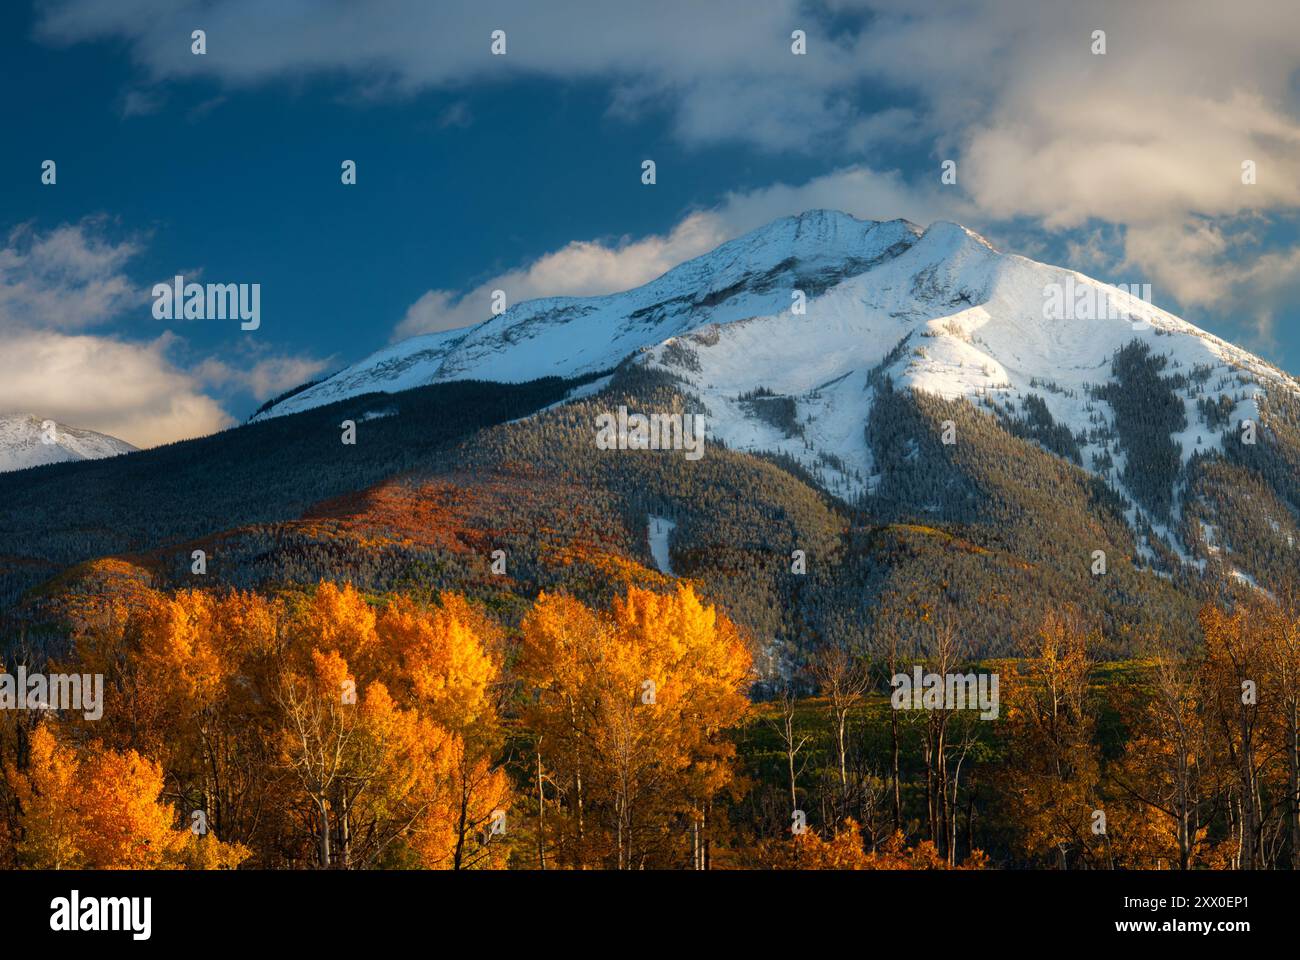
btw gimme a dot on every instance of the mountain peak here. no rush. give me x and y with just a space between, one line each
949 233
818 232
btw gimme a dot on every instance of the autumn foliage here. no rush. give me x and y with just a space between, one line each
101 808
845 850
328 729
332 730
629 711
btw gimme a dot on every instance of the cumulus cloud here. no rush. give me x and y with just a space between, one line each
262 377
1203 261
1004 79
127 390
582 268
1150 136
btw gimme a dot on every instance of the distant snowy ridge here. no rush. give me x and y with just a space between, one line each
28 441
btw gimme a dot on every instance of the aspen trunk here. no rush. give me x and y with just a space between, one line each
323 811
541 816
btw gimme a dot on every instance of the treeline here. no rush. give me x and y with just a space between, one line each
1008 528
1236 521
333 730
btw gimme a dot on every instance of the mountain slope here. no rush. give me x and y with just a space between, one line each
952 317
939 310
27 441
65 513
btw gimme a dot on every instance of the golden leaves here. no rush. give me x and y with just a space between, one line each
101 809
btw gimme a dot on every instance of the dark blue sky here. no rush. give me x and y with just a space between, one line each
230 164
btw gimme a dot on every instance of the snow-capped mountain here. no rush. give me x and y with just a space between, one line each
27 441
812 310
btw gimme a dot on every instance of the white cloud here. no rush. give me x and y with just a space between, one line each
1150 136
724 68
865 193
127 390
582 268
262 377
1202 263
1002 79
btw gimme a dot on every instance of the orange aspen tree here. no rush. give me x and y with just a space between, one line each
633 708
